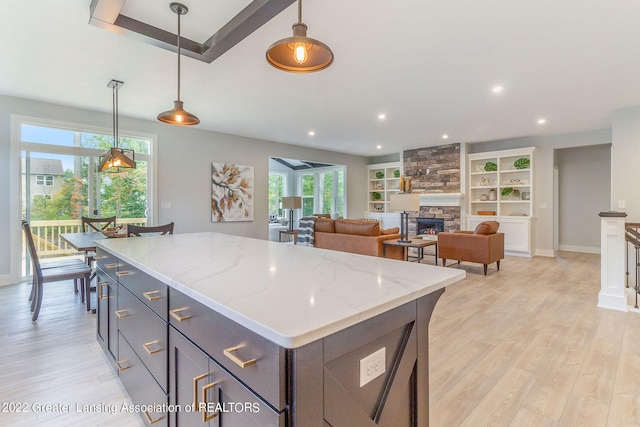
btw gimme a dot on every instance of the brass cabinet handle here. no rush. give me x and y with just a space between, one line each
111 265
196 401
175 313
101 293
99 257
229 352
151 420
122 313
152 295
123 273
119 364
205 415
147 346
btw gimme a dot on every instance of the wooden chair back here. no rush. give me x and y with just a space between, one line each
138 230
35 262
97 224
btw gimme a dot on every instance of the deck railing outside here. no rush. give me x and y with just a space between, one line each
46 235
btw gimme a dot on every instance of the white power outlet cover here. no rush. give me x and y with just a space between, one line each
372 366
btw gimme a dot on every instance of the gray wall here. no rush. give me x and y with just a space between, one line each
183 175
625 158
543 174
584 190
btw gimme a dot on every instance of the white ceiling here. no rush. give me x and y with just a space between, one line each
429 65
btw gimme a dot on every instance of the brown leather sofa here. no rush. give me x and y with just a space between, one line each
355 236
484 245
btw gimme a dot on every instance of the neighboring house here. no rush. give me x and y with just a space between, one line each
45 177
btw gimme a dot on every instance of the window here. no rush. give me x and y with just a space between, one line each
277 184
71 156
308 194
60 182
323 192
44 180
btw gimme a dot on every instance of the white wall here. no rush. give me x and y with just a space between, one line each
584 191
183 175
543 171
625 160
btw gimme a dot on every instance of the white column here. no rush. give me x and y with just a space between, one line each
612 294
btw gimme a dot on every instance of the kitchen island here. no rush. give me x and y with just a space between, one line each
225 330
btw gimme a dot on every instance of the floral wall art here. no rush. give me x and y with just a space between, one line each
231 192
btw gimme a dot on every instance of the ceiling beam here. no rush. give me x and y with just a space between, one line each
106 14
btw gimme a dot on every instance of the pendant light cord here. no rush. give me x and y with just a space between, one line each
179 13
299 11
114 97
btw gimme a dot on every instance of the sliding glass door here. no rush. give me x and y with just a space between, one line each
60 183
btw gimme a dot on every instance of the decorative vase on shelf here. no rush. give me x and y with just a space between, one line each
492 195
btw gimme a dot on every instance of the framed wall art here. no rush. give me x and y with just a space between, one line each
232 189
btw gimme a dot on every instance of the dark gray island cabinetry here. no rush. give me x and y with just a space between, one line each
218 330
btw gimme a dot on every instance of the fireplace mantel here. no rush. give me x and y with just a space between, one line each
441 199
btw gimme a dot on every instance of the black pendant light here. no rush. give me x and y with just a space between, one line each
178 115
116 159
299 54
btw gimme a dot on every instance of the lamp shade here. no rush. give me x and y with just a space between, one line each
315 55
178 116
294 202
299 54
404 202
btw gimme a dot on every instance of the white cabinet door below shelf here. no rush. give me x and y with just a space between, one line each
517 231
516 234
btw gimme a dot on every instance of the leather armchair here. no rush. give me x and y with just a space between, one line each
483 245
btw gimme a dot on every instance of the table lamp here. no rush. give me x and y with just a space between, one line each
405 203
291 203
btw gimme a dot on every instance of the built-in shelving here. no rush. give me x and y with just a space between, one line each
383 180
501 188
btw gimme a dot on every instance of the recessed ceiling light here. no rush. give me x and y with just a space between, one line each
445 136
379 147
497 89
542 121
382 116
311 133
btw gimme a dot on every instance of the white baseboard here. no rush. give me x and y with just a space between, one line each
546 252
582 249
520 254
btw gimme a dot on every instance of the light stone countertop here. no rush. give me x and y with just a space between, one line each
291 295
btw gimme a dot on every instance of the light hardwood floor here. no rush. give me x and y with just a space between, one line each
55 361
525 346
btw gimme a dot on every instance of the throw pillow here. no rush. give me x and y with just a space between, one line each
487 227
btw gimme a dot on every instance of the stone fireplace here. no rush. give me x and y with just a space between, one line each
435 174
429 226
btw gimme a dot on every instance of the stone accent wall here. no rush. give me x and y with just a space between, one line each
433 169
450 214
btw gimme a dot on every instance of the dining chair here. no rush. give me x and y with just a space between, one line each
97 224
94 224
69 269
138 230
